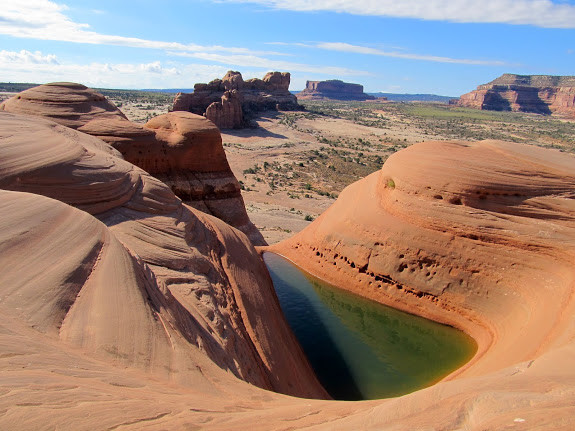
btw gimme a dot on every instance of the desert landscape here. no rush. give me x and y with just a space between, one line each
287 227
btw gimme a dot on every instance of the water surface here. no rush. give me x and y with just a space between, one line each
358 348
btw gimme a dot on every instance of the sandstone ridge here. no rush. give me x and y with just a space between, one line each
333 89
118 267
181 149
480 236
231 102
123 308
540 94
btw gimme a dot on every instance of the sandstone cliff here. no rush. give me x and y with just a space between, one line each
333 89
540 94
231 102
181 149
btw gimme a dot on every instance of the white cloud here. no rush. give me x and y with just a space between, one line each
26 57
346 47
540 13
36 67
45 20
265 63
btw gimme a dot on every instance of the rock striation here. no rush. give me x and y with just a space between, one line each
540 94
123 308
231 102
477 235
181 149
333 89
118 267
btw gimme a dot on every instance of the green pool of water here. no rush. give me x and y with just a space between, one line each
358 348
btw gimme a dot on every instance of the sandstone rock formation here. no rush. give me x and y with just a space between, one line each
181 149
100 256
117 300
333 89
67 103
217 99
228 113
540 94
477 235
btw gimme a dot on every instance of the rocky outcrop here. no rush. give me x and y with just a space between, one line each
118 300
333 89
182 149
116 266
540 94
227 113
254 95
477 235
67 103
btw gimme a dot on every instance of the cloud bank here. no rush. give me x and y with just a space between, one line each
540 13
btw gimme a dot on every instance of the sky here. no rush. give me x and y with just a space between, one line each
445 47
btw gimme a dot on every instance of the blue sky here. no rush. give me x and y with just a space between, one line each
405 46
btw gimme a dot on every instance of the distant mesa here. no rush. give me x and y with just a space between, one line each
540 94
181 149
334 89
231 102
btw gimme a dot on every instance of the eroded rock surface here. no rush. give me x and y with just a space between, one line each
121 269
122 308
182 149
67 103
333 89
540 94
218 100
477 235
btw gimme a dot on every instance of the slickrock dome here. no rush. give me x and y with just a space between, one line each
122 307
67 103
153 285
182 149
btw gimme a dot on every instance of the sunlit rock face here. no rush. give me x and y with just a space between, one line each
122 307
333 90
120 268
540 94
231 102
181 149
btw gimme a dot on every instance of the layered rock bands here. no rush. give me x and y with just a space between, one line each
231 102
181 149
333 89
540 94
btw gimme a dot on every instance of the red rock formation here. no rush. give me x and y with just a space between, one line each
67 103
541 94
189 157
333 89
116 324
153 285
254 95
181 149
226 114
477 235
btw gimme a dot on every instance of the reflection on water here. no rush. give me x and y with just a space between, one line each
358 348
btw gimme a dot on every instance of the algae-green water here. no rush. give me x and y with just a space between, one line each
358 348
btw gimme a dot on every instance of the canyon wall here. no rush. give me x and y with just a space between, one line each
231 102
333 89
540 94
181 149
